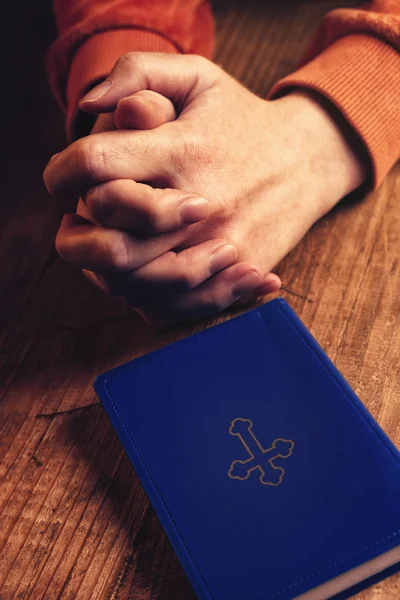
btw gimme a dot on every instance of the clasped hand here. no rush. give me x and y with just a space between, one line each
191 188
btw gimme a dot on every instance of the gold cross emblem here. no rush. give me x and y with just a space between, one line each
259 459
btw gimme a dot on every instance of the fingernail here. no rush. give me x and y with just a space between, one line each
268 287
97 92
194 210
54 156
222 257
246 283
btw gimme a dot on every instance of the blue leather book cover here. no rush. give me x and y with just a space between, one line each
269 476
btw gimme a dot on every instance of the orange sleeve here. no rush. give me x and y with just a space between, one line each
354 62
93 34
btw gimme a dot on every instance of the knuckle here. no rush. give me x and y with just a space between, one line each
131 60
116 252
214 303
100 203
201 63
182 275
185 280
60 245
90 156
48 180
153 219
188 152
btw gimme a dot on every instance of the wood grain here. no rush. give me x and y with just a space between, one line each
75 523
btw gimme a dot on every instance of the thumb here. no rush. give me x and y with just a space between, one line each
178 77
143 110
269 285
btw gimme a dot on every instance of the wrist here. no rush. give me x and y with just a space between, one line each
336 158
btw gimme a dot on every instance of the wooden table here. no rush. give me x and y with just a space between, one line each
75 523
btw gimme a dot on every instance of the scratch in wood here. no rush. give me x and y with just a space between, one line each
288 291
121 578
65 412
119 583
36 461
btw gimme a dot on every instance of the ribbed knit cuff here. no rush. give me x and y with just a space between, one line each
360 75
96 57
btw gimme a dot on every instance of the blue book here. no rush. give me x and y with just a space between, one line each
270 477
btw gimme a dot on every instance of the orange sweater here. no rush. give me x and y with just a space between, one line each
353 61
